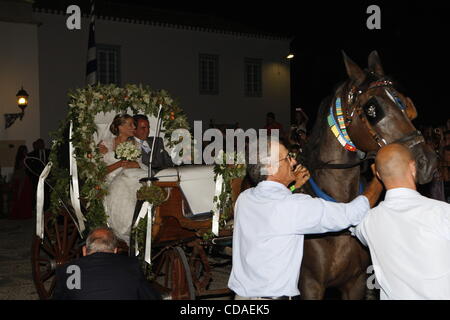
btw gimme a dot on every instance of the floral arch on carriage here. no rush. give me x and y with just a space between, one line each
91 110
75 155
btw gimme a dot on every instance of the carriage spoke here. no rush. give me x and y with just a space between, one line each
47 236
48 249
65 234
166 272
57 236
47 276
70 250
44 261
52 286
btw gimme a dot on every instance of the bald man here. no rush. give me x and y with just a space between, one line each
102 273
408 234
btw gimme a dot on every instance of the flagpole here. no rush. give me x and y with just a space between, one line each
91 67
158 128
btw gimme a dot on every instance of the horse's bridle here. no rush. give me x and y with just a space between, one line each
356 109
409 140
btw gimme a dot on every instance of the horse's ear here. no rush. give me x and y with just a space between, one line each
354 72
411 111
375 63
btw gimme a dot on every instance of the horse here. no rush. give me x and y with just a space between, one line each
365 113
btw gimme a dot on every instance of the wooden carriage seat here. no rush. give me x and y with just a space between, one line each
187 211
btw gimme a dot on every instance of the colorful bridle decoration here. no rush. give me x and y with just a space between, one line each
340 131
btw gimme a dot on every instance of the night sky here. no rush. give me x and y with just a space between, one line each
412 43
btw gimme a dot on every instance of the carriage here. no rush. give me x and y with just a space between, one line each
180 262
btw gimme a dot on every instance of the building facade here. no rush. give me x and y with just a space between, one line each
226 76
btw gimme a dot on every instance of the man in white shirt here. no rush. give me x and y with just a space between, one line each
408 235
270 223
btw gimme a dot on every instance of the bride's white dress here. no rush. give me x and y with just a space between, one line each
120 201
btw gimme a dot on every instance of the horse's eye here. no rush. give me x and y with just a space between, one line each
373 111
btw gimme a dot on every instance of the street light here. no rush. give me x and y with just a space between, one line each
22 103
290 56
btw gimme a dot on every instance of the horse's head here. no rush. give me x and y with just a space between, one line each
374 114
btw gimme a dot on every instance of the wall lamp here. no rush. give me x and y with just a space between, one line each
22 103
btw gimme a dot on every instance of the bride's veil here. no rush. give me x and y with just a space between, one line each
104 120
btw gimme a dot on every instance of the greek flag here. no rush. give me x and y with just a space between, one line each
91 68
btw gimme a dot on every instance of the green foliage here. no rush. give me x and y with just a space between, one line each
84 105
140 232
153 194
229 172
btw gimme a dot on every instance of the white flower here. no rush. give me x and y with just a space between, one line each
128 151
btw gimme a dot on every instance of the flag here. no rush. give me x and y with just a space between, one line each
91 68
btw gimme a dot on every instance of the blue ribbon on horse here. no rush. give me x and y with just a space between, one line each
321 194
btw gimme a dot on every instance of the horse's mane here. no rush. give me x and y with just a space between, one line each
309 156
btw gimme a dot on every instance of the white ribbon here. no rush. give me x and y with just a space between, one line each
74 188
40 197
216 210
146 210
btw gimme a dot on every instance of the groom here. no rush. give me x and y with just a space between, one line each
161 158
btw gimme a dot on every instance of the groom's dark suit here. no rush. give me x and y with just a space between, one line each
161 158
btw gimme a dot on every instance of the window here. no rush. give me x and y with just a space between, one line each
253 78
108 64
209 74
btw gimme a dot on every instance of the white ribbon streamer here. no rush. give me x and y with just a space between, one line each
40 197
148 238
146 210
216 210
74 186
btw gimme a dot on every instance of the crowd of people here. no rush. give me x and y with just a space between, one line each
27 168
438 138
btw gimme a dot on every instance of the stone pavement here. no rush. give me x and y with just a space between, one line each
16 281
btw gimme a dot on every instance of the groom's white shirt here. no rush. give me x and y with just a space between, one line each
144 144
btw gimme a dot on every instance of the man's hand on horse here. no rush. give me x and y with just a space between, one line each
301 176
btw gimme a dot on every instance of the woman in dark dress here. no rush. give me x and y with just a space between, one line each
21 206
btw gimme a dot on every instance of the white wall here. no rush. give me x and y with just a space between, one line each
165 58
19 66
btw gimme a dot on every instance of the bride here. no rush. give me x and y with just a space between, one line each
122 178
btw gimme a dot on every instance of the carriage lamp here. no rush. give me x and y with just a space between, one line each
22 103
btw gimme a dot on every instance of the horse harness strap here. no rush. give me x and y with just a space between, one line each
339 129
411 140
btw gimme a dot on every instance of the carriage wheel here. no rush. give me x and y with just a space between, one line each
61 244
200 268
171 270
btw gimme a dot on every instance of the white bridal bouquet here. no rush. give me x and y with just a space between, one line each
128 151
